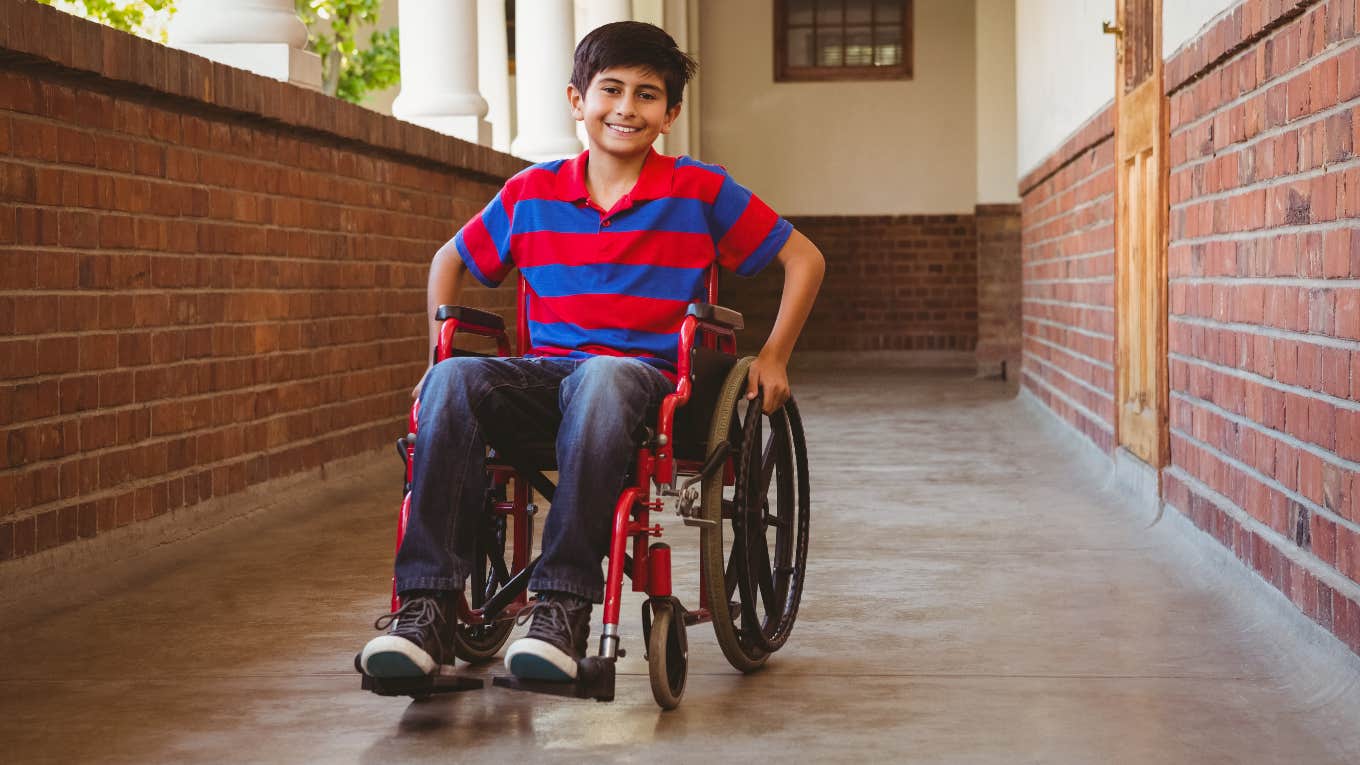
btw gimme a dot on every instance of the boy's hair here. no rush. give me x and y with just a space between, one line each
633 43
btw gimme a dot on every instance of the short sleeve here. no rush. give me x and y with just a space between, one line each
748 234
484 242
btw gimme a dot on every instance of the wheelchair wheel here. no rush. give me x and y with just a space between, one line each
481 642
755 555
667 658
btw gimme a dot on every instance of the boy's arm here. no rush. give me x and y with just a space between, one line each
803 268
445 285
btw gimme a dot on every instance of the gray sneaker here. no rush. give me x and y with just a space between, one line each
419 637
556 640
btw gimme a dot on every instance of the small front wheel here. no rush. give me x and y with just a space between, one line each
667 658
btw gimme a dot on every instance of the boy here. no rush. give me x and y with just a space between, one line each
613 244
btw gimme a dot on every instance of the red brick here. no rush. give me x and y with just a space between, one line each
46 530
1323 84
1340 143
1348 313
25 537
117 232
1348 434
1348 552
114 154
34 140
1348 77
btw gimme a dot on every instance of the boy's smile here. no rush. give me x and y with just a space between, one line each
624 110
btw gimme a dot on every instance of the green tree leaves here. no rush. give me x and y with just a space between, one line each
346 71
138 17
332 26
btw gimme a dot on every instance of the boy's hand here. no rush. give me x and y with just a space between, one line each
768 375
415 392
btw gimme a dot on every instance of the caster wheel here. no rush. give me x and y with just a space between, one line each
667 658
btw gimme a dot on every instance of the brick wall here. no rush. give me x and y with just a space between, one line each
999 289
1264 267
899 283
208 279
1264 288
1067 232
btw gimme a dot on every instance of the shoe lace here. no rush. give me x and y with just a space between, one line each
555 614
414 613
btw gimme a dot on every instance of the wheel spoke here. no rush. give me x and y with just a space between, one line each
767 465
760 565
496 554
730 573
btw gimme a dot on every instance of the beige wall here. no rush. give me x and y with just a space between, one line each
1182 20
1065 63
995 35
1064 71
856 148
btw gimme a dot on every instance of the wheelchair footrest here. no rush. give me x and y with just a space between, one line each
444 681
594 680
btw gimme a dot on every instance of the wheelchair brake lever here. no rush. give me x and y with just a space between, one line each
687 496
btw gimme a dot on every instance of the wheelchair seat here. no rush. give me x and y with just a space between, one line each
709 369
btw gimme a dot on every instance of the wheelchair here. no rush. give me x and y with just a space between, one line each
711 457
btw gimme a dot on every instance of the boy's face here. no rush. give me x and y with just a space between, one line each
624 110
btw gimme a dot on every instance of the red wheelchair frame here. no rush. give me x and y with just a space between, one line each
705 326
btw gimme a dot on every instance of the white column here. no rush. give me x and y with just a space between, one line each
493 70
591 15
263 36
684 133
597 13
543 32
439 69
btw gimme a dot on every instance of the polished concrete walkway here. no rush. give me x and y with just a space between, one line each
975 595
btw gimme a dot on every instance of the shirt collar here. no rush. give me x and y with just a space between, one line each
653 183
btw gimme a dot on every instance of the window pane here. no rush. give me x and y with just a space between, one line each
859 47
859 11
887 46
829 12
800 11
888 10
800 47
830 51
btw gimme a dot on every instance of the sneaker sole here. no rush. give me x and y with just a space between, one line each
389 656
534 659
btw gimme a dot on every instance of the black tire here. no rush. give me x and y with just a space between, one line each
762 590
481 643
775 497
667 659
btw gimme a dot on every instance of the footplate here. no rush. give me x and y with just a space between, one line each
594 680
443 681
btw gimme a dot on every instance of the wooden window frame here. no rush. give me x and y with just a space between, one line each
785 73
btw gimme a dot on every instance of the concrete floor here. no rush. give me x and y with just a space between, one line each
975 595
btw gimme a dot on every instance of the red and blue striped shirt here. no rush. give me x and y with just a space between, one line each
617 282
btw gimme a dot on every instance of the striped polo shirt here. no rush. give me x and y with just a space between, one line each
617 282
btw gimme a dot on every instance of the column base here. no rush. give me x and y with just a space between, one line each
469 128
545 149
276 60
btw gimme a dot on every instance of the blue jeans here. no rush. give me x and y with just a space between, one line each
594 408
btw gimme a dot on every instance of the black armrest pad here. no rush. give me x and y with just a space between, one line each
717 315
470 315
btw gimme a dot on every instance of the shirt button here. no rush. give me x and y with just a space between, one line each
606 223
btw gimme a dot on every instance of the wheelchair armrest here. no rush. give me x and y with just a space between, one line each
471 316
716 314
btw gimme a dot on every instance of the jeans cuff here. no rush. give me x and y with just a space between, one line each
440 583
593 594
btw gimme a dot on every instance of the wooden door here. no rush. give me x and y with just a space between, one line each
1140 233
